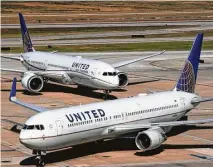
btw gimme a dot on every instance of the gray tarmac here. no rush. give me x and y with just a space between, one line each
154 74
99 41
112 24
81 39
175 152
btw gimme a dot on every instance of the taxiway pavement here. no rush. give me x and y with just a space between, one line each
176 151
85 38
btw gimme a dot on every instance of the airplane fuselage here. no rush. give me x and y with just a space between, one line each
81 124
81 71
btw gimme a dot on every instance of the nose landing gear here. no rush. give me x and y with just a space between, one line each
106 93
39 157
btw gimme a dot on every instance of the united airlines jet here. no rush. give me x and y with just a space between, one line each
151 115
44 66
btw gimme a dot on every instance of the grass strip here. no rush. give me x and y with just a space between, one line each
152 46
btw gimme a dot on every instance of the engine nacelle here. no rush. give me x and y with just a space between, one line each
150 139
123 79
32 82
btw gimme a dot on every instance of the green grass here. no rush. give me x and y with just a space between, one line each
119 47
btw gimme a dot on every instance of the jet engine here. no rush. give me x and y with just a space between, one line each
32 82
150 139
123 79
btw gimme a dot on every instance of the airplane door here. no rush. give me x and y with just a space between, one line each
94 72
59 127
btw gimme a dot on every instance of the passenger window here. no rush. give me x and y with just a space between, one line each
42 127
110 73
30 127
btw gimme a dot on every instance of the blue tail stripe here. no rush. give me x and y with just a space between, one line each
188 76
23 25
194 56
27 43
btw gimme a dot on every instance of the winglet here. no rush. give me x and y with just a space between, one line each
13 99
13 90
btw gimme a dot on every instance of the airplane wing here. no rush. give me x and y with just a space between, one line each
48 74
12 58
12 70
199 100
59 74
13 99
123 63
120 128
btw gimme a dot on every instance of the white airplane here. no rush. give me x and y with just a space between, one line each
152 115
44 66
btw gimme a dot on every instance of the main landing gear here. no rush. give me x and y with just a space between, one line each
106 93
39 157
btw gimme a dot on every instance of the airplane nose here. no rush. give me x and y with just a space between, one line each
117 81
23 138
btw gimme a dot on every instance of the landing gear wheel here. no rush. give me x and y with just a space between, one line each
40 159
41 162
106 93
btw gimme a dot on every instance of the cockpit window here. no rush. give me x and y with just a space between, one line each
36 127
109 74
24 127
105 74
30 127
42 127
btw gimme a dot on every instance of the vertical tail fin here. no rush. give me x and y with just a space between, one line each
27 43
188 75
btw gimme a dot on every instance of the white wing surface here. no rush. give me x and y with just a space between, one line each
124 63
120 128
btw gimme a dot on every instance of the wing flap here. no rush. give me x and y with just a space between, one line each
12 70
